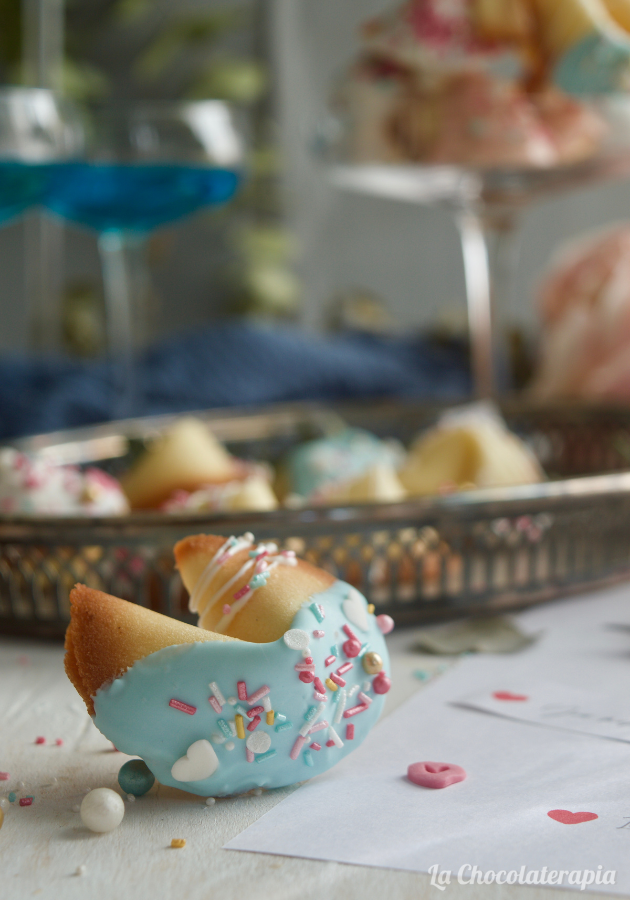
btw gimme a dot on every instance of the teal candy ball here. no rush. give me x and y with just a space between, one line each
135 777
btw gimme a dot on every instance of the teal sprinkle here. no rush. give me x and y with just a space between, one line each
225 728
284 726
422 675
310 714
240 711
308 758
259 580
268 755
12 797
334 650
317 611
232 542
280 717
363 649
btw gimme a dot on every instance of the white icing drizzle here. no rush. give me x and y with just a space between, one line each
262 560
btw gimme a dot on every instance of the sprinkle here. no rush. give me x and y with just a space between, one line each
337 680
341 705
367 686
335 649
307 677
315 746
330 660
319 726
330 743
318 612
241 689
351 648
12 796
354 710
308 758
259 694
270 717
232 725
349 732
40 740
310 714
345 668
240 710
259 580
229 745
319 634
217 738
255 722
232 701
371 608
364 698
269 755
225 728
319 686
352 691
214 703
299 743
227 609
304 667
4 776
26 801
306 652
178 843
59 742
239 727
284 726
335 738
267 704
210 801
80 870
331 685
249 755
259 742
280 717
183 707
254 711
319 697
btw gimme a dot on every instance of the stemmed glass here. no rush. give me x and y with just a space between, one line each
147 166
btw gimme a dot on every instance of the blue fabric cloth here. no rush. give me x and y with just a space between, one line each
232 363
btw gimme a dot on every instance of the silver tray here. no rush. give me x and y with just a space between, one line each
422 559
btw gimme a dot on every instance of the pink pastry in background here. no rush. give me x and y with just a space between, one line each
585 309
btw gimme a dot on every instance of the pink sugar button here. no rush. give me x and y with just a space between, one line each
385 624
435 774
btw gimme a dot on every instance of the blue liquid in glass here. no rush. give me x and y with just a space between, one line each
22 185
135 196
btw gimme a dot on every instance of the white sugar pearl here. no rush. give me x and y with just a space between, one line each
229 745
210 801
4 803
258 742
102 810
80 870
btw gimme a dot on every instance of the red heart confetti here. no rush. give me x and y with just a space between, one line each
508 695
571 818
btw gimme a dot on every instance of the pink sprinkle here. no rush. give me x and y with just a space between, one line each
4 776
249 755
183 707
255 711
364 698
319 634
40 740
214 703
241 689
321 698
26 801
319 686
289 553
330 660
309 660
349 732
304 667
355 710
253 725
330 743
315 746
350 633
307 677
227 609
345 668
244 590
337 680
318 726
259 694
59 742
299 743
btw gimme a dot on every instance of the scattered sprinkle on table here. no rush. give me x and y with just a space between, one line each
80 870
4 776
40 740
26 801
178 843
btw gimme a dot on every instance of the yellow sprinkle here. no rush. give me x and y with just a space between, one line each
371 608
239 727
1 818
332 685
270 717
178 843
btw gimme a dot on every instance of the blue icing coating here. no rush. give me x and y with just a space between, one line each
133 711
598 64
338 458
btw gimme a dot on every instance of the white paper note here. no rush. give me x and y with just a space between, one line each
366 812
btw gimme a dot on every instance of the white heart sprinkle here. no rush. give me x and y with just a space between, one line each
199 763
296 639
354 610
258 742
